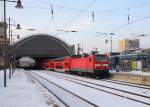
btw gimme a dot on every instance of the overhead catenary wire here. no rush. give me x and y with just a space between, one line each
87 10
126 25
48 8
128 17
136 6
51 8
103 10
74 18
52 12
139 5
93 16
73 8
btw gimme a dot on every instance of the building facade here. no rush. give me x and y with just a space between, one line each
126 45
2 43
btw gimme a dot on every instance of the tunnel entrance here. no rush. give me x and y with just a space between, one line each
31 63
41 47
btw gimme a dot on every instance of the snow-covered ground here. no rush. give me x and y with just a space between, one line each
97 97
23 92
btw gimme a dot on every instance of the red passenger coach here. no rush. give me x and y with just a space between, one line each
94 64
48 65
45 65
59 64
66 64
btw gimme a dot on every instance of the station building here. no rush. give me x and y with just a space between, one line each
2 44
131 57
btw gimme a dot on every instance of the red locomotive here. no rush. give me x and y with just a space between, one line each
94 64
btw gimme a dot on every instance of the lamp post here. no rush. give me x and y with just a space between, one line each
18 27
107 40
19 5
5 37
13 51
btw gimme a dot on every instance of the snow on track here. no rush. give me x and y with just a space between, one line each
76 101
99 98
115 91
133 89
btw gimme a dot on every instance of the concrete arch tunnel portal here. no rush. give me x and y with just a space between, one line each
41 47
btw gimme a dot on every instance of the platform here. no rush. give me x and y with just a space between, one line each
21 91
137 77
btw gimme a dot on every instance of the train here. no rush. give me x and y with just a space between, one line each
96 65
26 63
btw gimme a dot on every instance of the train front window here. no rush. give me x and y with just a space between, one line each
101 58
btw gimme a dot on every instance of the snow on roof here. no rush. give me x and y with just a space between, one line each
26 59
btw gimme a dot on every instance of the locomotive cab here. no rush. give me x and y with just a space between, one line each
101 65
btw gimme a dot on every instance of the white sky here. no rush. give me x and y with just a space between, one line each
108 15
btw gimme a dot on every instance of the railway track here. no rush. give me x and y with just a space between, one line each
127 83
114 91
54 88
47 89
122 83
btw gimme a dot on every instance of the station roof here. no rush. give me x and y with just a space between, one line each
41 45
